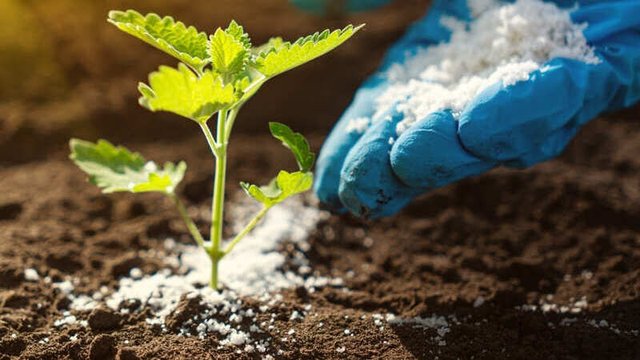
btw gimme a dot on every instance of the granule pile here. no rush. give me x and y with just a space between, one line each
254 269
505 43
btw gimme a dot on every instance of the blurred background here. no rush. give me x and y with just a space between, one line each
64 71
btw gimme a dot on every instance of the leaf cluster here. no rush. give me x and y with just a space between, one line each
218 71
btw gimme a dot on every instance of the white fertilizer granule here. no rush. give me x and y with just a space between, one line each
505 43
31 274
358 125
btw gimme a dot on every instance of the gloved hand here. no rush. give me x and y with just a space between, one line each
516 126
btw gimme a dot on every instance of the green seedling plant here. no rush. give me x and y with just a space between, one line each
216 75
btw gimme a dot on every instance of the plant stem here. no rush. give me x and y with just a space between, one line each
252 224
217 204
218 147
230 121
213 282
193 229
213 146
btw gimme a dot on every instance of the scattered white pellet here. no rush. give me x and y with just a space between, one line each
574 307
238 338
135 273
67 319
358 125
66 287
478 302
341 349
295 315
31 274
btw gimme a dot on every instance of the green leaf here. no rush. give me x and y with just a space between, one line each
229 49
184 43
281 188
242 84
237 31
273 44
181 92
115 168
296 142
280 56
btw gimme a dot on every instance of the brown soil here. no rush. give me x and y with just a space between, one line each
558 233
568 228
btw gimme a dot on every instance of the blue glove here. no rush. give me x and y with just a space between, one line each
516 126
321 6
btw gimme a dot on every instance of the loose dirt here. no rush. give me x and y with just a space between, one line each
563 236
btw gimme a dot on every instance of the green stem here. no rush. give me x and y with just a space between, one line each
193 229
230 121
213 146
252 224
213 282
217 204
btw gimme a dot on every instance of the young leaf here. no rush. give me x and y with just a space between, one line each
279 189
265 195
237 31
229 49
184 43
180 91
296 143
114 168
283 56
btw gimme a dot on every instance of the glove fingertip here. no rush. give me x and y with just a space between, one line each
347 131
368 187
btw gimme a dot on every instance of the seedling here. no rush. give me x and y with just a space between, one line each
217 74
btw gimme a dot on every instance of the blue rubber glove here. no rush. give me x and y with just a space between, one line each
516 126
321 6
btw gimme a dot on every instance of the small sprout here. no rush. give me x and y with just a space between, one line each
216 75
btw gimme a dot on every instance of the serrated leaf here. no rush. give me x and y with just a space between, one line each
283 56
237 31
182 92
281 188
295 142
272 45
116 169
184 43
228 52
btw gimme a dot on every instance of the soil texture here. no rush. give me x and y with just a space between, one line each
563 234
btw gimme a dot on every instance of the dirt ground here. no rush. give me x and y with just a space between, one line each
563 236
